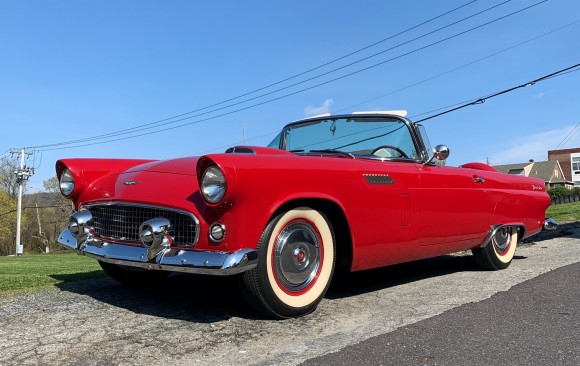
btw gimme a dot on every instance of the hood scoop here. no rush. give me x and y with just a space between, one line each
241 150
256 150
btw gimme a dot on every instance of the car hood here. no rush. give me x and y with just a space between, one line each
187 165
166 182
181 166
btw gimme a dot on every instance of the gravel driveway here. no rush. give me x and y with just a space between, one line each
200 320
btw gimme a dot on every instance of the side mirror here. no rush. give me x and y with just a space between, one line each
441 152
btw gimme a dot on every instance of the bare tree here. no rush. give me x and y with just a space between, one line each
8 182
47 214
7 223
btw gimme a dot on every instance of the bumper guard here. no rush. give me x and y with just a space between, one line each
168 259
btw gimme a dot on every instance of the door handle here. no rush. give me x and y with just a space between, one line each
478 179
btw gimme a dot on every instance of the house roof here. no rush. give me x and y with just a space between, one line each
543 170
506 168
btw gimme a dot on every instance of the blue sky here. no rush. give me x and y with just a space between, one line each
72 70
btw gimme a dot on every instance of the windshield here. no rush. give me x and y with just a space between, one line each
383 137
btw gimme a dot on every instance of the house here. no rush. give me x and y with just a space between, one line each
549 171
569 160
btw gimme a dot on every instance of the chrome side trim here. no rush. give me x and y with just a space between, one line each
549 224
494 229
168 259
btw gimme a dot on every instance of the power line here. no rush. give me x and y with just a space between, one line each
55 146
9 212
464 103
568 136
132 129
459 68
483 99
26 207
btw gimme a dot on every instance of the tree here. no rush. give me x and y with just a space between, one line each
7 223
51 186
47 214
8 182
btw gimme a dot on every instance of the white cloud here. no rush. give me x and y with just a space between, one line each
324 108
540 95
536 146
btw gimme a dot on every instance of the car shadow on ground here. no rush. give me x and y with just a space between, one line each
357 283
192 298
207 299
569 229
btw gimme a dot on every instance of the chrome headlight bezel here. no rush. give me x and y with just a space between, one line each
213 185
66 182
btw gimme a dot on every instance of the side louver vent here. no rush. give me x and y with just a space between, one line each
378 179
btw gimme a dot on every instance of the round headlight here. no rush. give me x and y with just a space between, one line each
213 184
67 182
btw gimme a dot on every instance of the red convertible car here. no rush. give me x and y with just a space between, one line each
354 191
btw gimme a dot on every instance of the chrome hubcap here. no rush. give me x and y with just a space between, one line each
297 256
501 240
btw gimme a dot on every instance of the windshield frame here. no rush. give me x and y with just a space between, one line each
411 127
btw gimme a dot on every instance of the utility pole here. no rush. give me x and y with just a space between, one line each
22 174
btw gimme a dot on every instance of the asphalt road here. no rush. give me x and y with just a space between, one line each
439 311
536 322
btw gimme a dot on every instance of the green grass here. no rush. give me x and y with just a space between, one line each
33 272
565 212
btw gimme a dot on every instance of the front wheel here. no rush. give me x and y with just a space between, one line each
295 266
499 252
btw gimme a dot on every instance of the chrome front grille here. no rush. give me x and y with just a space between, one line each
122 221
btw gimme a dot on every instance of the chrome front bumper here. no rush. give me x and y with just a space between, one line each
175 260
549 224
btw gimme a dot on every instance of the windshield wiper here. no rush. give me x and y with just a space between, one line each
334 151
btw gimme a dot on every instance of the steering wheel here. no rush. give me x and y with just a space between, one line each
401 152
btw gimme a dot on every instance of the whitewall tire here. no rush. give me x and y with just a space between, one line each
296 262
499 251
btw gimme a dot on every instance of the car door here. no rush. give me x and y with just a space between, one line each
384 213
456 208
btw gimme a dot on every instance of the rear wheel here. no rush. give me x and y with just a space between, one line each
499 252
295 266
131 275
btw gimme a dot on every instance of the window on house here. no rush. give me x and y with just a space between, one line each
519 171
576 163
556 174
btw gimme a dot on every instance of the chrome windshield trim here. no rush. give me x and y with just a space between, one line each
420 147
111 203
170 259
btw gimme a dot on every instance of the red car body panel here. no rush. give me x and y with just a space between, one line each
355 191
426 211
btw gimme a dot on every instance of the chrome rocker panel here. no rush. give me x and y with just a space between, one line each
175 260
